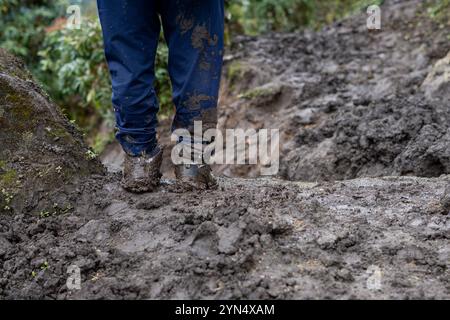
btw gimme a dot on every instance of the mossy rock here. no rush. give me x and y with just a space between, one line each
13 66
240 75
42 156
265 92
267 96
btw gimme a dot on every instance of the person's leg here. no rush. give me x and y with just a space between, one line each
131 31
194 33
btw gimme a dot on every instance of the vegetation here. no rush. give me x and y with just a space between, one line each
259 16
72 68
440 10
23 23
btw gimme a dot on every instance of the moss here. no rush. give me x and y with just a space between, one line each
261 92
439 11
17 74
13 66
58 132
8 178
21 107
27 138
17 110
235 72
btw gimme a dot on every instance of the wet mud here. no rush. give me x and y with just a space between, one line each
257 239
348 102
367 108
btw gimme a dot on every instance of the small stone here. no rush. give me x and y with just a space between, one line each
345 275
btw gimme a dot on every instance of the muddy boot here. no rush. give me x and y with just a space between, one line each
142 173
194 177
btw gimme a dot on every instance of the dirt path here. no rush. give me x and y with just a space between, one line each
352 105
365 238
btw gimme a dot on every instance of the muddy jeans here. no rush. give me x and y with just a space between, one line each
193 30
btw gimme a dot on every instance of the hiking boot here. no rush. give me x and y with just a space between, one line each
142 173
194 177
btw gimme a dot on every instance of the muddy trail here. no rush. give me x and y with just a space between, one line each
348 102
360 209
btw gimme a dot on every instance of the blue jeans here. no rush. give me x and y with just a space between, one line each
193 30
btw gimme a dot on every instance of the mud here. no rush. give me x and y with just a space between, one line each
393 137
348 102
366 238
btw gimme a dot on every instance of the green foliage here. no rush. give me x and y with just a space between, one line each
22 25
162 83
259 16
73 69
440 10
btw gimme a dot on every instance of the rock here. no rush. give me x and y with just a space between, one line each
445 200
326 239
4 246
151 203
29 124
94 229
437 83
229 238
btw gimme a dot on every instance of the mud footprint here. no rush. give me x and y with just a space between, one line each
206 240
